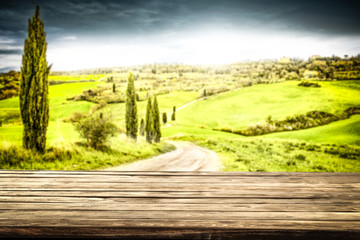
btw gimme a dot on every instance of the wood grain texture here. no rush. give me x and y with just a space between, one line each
179 205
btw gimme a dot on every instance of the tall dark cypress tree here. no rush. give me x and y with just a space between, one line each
156 121
142 127
149 126
34 101
131 120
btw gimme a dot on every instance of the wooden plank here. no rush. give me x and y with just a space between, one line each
179 204
178 233
116 206
169 215
169 201
187 194
253 224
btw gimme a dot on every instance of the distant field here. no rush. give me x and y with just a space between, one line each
340 132
76 77
241 107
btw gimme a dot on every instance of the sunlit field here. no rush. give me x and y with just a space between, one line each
206 102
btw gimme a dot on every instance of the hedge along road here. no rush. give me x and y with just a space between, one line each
186 157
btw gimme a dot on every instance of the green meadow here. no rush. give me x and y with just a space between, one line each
332 148
241 107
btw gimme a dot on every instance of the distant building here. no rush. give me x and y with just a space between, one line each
285 60
311 74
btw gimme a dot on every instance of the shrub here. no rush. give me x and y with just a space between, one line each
96 130
300 157
75 117
98 106
309 84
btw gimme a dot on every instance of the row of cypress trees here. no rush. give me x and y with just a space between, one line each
152 121
34 101
151 126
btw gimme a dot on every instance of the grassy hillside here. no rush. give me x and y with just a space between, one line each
65 149
329 148
241 107
74 156
60 108
332 147
340 132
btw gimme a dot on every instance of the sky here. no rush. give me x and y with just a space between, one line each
83 34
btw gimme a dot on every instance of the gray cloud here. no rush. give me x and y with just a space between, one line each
137 16
115 20
10 51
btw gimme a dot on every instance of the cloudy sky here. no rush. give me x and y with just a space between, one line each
105 33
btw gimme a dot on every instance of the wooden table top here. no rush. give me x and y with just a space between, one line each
179 205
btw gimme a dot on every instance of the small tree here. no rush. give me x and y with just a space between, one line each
96 130
149 126
173 114
34 101
156 121
142 127
164 117
114 88
131 120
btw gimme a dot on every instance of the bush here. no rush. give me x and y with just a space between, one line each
96 130
309 84
98 106
300 157
75 117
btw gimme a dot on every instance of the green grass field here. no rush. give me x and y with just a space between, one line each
62 139
332 147
241 107
340 132
329 148
95 77
63 155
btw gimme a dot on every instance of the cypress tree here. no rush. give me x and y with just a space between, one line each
156 121
131 120
114 88
164 117
173 114
149 126
142 127
34 101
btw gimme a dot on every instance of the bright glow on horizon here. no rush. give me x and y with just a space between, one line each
208 47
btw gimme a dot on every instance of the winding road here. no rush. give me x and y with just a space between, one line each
186 157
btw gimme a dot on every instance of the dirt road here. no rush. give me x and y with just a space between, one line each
186 157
